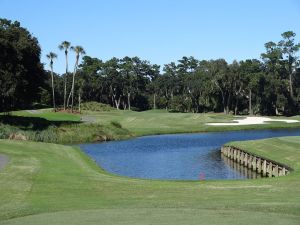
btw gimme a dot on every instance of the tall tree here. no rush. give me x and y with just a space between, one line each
223 80
289 48
79 51
65 45
21 73
51 56
251 72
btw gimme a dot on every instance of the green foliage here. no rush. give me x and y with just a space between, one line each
21 72
116 124
96 106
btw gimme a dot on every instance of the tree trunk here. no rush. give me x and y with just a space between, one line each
154 101
236 107
276 111
73 83
124 105
52 83
227 104
250 103
65 81
72 91
291 85
117 102
79 102
69 97
128 101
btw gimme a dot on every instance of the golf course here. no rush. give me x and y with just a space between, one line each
54 184
149 112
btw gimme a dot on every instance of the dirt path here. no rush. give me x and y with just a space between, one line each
3 161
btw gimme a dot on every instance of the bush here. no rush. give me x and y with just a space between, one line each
96 106
116 124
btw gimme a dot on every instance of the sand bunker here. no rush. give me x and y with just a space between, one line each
252 120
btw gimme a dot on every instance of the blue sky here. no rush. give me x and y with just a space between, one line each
160 31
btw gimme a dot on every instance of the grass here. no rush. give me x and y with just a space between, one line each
161 122
48 126
48 115
53 184
91 126
47 183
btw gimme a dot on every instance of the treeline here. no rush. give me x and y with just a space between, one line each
270 86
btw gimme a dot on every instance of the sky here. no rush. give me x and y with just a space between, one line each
160 31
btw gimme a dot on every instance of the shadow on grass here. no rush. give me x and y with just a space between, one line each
32 123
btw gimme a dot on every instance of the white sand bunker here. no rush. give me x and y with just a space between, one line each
251 120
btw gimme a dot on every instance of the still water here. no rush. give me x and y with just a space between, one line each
177 156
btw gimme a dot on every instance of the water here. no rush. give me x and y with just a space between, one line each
176 156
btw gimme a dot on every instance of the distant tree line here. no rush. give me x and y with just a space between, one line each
270 86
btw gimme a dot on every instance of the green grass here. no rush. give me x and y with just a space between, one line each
47 126
54 184
161 122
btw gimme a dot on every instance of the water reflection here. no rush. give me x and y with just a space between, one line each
241 169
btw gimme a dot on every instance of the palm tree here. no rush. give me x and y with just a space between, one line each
65 45
51 56
78 51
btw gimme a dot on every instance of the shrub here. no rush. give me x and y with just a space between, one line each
116 124
96 106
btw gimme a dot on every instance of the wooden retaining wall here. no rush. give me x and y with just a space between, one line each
266 167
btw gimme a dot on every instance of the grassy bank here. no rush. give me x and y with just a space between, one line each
55 184
91 126
47 126
163 122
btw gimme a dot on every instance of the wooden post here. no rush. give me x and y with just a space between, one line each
275 171
238 155
283 171
250 161
234 154
270 169
258 165
254 163
245 159
264 168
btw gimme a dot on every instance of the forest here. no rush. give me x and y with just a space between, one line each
269 85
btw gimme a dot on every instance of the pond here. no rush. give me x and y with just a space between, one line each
177 156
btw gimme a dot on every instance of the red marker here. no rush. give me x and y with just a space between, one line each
202 176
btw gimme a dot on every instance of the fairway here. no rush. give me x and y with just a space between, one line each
55 183
163 122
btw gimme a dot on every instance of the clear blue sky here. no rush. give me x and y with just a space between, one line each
157 30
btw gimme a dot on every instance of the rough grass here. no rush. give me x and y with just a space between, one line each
47 126
54 184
